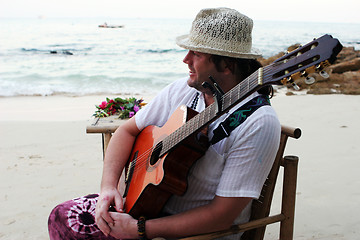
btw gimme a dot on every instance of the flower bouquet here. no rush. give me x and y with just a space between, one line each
126 108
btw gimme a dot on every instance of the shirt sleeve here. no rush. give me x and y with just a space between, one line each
158 111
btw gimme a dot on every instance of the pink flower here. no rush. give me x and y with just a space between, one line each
136 108
131 114
103 105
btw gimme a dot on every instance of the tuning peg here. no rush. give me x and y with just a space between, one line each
309 80
293 84
321 71
324 74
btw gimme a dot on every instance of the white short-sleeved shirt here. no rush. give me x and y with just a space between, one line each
236 166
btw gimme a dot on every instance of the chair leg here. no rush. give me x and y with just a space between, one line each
289 195
105 142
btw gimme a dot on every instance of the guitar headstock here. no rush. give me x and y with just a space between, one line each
313 57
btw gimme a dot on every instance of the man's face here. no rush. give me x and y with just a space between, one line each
200 68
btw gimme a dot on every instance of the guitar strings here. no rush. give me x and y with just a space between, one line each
142 159
239 90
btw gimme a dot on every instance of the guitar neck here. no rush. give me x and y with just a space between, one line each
213 112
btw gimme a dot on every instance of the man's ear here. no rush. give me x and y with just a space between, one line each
227 70
224 67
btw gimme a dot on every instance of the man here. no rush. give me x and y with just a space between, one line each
223 182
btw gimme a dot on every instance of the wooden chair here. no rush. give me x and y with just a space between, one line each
255 228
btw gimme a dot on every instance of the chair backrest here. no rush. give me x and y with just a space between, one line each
261 207
255 228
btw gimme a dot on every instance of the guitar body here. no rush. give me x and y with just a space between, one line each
153 178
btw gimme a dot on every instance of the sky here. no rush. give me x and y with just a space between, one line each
278 10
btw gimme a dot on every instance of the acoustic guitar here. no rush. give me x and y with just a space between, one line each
162 157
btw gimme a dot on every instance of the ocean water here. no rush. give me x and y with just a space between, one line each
76 57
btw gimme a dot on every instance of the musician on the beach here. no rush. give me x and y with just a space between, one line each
224 181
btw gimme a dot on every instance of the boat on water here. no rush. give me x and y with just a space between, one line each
105 25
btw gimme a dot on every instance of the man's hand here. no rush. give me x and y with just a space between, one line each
124 227
107 199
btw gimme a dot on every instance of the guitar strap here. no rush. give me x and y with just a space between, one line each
238 117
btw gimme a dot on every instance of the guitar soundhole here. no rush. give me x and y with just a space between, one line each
156 153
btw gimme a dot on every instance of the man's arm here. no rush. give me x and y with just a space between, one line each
217 215
116 157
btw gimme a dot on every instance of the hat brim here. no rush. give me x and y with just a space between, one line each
184 42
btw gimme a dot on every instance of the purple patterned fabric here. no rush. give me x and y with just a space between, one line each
75 219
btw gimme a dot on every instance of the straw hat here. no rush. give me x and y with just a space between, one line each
220 31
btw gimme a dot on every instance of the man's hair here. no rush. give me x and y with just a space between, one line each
242 68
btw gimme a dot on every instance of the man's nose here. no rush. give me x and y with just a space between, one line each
187 58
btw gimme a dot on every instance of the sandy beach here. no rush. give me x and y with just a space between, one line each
47 158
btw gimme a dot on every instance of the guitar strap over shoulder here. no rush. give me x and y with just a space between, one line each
238 117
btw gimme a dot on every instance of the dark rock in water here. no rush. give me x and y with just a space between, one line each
67 52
